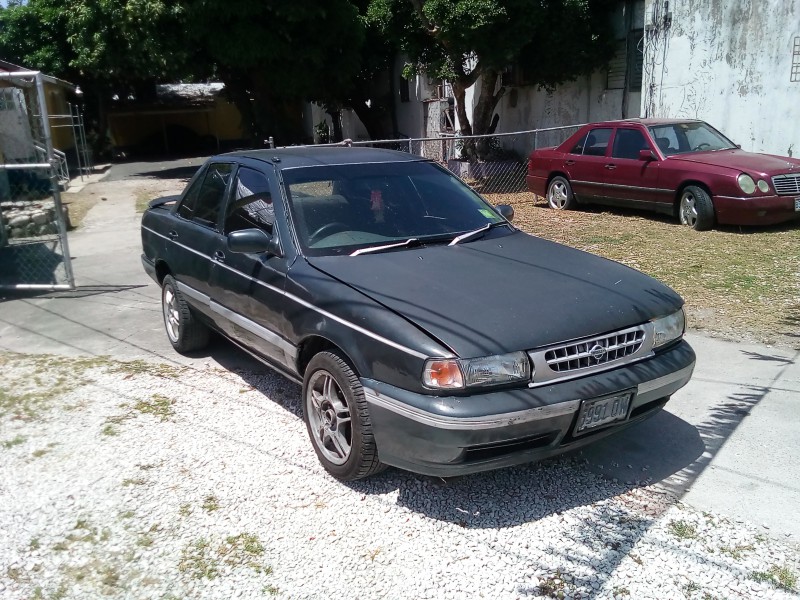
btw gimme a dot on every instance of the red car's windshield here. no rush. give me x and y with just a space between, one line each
691 136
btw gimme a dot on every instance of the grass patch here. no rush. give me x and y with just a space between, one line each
42 451
203 560
210 503
109 430
15 441
129 481
781 577
736 552
683 530
734 280
158 406
143 198
33 382
185 509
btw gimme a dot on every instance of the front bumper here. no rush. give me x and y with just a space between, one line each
754 210
456 435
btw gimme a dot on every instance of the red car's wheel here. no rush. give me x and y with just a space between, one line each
559 194
695 208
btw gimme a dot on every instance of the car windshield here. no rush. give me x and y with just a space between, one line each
357 209
690 136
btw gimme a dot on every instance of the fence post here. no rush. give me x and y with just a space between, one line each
48 140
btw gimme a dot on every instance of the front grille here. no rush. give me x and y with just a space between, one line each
593 352
786 185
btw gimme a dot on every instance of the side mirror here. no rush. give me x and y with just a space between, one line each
506 211
253 241
647 155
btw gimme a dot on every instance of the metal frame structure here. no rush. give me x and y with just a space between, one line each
49 166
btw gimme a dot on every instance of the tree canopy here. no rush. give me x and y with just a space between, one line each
341 53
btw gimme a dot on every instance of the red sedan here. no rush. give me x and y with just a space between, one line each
683 168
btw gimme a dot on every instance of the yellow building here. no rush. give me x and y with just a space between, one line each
184 119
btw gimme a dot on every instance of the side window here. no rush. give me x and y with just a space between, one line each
251 204
597 142
666 138
204 205
628 142
578 148
187 206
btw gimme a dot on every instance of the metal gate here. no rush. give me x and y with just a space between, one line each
34 253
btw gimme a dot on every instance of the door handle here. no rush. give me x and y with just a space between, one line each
219 256
173 235
611 167
569 163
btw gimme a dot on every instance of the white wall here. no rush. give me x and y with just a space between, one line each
727 62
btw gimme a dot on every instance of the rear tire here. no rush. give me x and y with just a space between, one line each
184 331
337 418
695 208
559 194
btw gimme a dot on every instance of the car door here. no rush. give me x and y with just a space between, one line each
585 163
195 234
248 288
630 178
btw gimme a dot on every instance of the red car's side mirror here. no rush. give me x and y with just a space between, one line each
647 155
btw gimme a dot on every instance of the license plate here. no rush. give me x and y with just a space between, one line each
602 411
797 204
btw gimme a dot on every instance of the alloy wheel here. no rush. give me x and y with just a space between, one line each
329 417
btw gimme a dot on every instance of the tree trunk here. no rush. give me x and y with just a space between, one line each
482 117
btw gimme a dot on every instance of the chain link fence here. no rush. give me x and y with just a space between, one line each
33 226
491 164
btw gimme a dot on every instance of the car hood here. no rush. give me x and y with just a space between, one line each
505 294
740 160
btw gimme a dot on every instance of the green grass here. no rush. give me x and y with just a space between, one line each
15 441
210 503
202 560
158 406
735 281
781 577
683 530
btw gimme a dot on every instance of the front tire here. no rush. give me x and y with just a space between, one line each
559 194
337 418
695 208
184 331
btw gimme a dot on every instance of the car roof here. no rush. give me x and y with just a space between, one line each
646 122
307 156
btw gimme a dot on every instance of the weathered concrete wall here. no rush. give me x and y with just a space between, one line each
727 62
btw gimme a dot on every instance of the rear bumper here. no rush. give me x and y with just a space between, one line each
755 210
449 436
149 267
537 184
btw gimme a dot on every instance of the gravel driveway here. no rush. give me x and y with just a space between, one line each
140 480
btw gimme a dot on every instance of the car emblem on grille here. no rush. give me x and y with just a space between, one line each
597 352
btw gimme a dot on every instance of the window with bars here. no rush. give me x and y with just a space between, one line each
628 59
795 75
7 99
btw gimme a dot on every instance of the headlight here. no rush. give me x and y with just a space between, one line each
476 372
669 328
763 186
746 183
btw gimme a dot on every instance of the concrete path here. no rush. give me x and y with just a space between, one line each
728 442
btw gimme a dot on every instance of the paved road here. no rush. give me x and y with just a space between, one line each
729 441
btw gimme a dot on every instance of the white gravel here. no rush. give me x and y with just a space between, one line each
167 483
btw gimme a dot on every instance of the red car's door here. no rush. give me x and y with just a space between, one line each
630 178
585 164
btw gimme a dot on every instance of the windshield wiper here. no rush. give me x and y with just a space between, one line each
471 234
408 242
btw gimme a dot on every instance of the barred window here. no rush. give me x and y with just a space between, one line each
628 60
